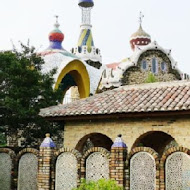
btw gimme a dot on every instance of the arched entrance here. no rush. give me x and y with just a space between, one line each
157 140
74 74
94 140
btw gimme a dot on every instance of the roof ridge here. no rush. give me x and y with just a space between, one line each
156 85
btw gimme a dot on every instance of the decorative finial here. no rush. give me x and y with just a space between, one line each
56 23
47 135
141 16
47 142
119 143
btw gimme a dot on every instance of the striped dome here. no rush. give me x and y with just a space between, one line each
140 33
56 35
139 38
56 38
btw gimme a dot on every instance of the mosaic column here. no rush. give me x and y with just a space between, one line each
44 173
118 158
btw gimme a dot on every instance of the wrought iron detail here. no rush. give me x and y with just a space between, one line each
97 167
5 171
28 170
142 172
178 171
66 172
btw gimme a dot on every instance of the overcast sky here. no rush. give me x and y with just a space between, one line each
167 21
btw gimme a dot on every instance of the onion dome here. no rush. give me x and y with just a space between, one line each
86 3
56 37
139 38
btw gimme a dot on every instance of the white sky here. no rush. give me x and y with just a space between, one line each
167 21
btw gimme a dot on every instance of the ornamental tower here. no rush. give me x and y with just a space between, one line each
140 37
85 48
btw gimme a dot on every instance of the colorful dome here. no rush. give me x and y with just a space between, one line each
140 38
56 38
86 3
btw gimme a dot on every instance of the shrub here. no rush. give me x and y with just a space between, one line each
101 184
150 78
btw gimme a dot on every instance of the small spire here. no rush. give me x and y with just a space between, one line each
56 22
141 16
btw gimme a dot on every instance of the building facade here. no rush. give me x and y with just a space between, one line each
143 99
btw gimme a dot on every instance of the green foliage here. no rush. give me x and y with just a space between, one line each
24 90
151 78
101 184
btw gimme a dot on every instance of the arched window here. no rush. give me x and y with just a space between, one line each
142 172
144 65
154 66
163 66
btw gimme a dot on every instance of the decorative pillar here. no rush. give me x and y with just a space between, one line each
44 171
118 158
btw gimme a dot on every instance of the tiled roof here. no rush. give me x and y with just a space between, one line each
143 98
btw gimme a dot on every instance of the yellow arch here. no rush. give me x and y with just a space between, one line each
79 73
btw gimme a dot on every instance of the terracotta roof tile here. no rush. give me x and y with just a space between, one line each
168 96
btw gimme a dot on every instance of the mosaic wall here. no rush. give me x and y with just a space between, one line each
97 167
162 69
27 174
178 171
5 171
66 172
142 172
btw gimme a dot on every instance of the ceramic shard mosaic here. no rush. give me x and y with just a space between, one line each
97 167
178 171
66 172
142 172
27 174
5 171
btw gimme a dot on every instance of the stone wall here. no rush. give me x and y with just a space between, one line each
131 129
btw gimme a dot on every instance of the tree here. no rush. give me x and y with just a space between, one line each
24 90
